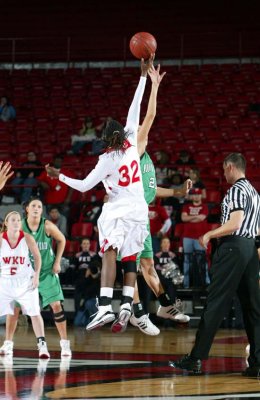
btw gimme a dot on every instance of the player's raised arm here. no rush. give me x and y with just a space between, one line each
133 116
143 132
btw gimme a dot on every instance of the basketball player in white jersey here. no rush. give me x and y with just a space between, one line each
123 222
18 280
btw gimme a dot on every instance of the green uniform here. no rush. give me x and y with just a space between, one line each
149 185
49 285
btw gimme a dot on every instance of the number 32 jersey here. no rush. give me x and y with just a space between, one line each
120 170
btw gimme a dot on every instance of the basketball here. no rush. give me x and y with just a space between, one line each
142 45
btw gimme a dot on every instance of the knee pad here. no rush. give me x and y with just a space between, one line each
129 264
59 316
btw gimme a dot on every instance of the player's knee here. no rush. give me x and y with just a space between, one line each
59 316
129 264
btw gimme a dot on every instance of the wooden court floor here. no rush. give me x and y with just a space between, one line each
124 366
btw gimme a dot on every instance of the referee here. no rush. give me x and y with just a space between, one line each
235 269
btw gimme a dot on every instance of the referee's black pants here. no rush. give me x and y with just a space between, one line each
235 269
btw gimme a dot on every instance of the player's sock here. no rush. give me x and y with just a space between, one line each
41 339
164 300
127 299
138 310
105 301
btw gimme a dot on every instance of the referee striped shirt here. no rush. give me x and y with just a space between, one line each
243 196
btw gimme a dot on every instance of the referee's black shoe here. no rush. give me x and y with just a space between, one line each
253 371
187 363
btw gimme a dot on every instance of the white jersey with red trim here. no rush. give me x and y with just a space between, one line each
15 261
123 221
119 170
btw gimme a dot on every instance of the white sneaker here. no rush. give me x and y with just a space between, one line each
43 350
173 312
145 325
103 316
65 348
119 326
7 348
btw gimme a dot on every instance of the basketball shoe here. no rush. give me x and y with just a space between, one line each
43 350
103 316
7 348
145 325
173 312
65 348
119 326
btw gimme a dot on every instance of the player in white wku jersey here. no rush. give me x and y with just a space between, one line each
18 280
123 222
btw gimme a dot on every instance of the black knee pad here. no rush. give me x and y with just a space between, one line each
59 316
129 266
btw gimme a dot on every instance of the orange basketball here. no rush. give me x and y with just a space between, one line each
142 45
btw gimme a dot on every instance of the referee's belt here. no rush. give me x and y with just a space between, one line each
231 238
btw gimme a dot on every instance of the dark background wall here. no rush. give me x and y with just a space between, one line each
102 29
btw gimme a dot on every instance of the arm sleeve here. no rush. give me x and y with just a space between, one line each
134 110
100 172
166 226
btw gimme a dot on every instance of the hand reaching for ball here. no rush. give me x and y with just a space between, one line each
146 65
155 76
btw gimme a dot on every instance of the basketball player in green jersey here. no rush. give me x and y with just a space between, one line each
44 231
166 309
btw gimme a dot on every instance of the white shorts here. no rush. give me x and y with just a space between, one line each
14 289
126 232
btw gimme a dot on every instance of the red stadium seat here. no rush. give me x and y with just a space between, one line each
213 196
72 247
82 229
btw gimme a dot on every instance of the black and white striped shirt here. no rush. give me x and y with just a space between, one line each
243 196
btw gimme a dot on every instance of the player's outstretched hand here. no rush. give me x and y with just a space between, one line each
5 173
52 172
155 76
146 65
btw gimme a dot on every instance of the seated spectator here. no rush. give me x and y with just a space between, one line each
184 162
185 158
58 219
27 175
160 223
89 288
161 166
194 175
173 204
98 144
194 215
7 111
174 179
161 260
54 191
82 261
86 134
